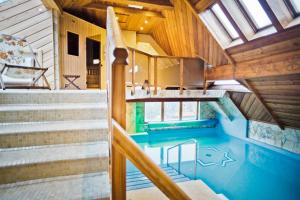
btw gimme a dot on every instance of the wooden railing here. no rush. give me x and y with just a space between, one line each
178 59
122 146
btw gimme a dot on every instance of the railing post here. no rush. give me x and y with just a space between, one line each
133 73
181 75
116 60
149 65
155 75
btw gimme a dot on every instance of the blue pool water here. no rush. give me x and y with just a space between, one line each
236 168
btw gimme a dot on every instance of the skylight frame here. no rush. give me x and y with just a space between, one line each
249 19
222 25
291 9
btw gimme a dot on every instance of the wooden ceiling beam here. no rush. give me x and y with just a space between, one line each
202 5
280 64
287 34
271 15
151 4
53 4
265 106
124 10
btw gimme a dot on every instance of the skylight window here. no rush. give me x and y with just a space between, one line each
294 7
255 14
224 21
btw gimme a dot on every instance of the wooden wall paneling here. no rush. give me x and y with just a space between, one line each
265 106
76 65
177 28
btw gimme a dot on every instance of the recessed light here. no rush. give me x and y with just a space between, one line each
141 28
40 9
135 6
146 21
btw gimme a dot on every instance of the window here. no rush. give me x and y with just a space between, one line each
294 7
171 111
152 111
73 44
224 21
189 110
255 14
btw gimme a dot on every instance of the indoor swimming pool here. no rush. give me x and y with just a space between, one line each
236 168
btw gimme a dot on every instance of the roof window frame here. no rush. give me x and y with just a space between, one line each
249 19
220 22
291 9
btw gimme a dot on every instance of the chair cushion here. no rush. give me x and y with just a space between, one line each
17 81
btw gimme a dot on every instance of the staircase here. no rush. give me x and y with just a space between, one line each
137 180
53 145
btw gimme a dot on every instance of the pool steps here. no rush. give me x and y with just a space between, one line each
137 180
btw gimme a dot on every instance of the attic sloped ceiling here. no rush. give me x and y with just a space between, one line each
182 33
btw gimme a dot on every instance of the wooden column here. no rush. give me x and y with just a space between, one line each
133 73
119 114
181 75
155 75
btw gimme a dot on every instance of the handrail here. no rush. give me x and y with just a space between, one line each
179 155
155 68
136 155
163 56
122 146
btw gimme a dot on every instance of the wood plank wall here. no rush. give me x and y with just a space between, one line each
183 34
76 65
32 20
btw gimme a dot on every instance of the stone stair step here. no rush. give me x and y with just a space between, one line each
52 97
84 186
22 134
27 163
52 112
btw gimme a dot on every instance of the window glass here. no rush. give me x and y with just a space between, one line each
256 12
171 111
152 111
224 20
296 5
189 110
73 44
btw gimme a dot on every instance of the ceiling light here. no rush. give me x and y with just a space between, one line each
141 28
146 21
135 6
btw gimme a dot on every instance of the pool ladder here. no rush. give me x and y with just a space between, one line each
191 141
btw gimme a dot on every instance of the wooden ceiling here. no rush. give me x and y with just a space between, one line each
182 33
140 20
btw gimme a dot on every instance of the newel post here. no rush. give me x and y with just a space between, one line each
116 60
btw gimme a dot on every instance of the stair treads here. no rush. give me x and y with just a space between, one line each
26 127
83 186
51 153
42 107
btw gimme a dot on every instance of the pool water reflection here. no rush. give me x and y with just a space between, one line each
238 169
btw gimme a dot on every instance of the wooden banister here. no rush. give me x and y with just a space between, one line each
122 145
181 75
136 155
